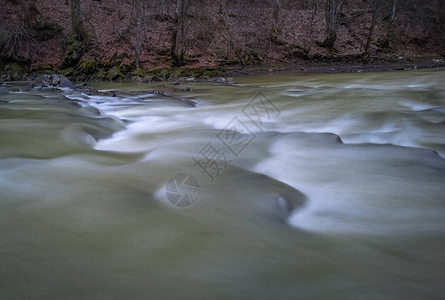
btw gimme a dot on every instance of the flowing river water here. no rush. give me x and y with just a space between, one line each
299 186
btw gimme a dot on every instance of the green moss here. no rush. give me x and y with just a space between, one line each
117 62
154 71
164 73
331 52
275 30
250 58
87 67
177 72
16 69
101 75
211 72
114 73
138 72
46 68
125 68
74 49
231 61
67 71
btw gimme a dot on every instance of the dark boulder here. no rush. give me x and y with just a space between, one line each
55 81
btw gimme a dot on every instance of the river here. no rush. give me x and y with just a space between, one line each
278 186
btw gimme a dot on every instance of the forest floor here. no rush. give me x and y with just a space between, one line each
222 40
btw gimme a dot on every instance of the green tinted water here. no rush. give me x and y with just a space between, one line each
84 212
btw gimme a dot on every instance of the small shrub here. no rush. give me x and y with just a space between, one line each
15 42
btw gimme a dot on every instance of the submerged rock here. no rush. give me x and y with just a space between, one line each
3 90
110 93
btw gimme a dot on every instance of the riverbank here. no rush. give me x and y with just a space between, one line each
340 65
110 72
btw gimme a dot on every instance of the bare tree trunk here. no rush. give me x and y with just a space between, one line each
77 21
275 31
139 13
372 27
311 31
393 12
31 12
178 25
333 10
182 28
32 5
276 14
389 30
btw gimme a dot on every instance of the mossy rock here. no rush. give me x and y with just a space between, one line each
114 73
117 62
251 58
101 75
275 30
138 72
210 73
87 67
67 71
74 50
16 68
164 73
154 71
46 68
116 59
193 72
15 72
125 68
185 72
230 62
176 73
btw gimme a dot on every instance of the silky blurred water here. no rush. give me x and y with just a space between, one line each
359 158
